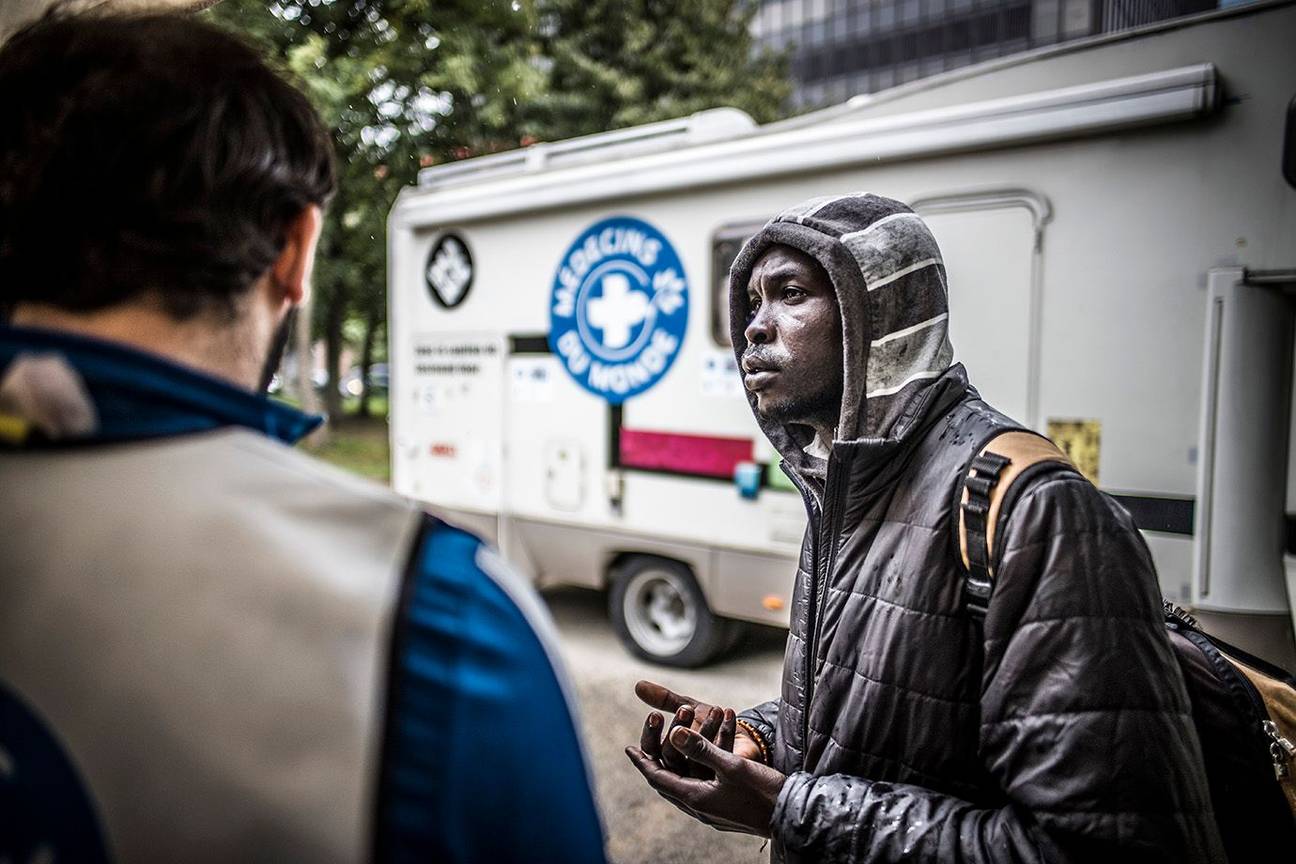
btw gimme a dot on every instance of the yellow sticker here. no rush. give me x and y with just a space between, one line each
13 429
1081 441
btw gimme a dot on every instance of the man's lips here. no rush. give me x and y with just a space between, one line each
758 372
759 379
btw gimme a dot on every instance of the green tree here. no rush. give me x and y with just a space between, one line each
404 84
619 63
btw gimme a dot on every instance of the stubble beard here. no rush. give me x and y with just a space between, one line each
818 408
808 396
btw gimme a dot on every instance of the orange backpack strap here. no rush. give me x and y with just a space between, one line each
990 477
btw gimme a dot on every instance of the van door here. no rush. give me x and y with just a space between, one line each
991 243
447 435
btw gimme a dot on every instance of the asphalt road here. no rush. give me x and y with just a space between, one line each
641 827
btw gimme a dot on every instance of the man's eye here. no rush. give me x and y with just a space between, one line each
753 303
792 292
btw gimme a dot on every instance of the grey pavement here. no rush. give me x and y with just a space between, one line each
642 827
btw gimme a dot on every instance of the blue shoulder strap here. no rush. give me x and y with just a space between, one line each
481 760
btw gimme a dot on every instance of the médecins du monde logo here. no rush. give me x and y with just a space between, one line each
619 308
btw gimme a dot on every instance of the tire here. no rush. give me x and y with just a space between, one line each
660 614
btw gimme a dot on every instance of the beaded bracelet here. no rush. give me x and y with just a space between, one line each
758 738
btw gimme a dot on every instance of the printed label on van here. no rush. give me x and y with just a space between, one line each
449 271
619 308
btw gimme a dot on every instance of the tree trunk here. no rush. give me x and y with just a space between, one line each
305 358
366 359
303 347
333 353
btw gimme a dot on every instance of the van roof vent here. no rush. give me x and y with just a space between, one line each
703 127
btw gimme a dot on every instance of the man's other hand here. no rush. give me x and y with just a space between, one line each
740 796
699 716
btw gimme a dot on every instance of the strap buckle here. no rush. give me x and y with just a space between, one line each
981 481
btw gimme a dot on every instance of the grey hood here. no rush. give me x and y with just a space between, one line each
890 281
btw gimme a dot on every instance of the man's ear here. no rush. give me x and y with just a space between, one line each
291 272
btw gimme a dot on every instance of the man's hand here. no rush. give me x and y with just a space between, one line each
692 714
739 797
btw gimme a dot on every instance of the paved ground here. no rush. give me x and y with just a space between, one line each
641 827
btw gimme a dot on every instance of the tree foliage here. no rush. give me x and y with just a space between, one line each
408 83
620 63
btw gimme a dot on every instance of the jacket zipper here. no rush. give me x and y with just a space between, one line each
1281 751
812 509
829 543
820 589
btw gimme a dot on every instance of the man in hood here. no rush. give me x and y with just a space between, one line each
1057 729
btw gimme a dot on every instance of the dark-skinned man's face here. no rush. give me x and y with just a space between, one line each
793 361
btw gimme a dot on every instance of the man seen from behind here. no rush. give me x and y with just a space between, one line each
212 646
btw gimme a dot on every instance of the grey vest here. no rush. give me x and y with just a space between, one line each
203 624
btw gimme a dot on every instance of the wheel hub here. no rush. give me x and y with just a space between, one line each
660 613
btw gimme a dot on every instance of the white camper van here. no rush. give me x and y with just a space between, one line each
1120 241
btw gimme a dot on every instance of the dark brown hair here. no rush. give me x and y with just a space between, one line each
152 155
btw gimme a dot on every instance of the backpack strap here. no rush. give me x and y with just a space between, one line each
1002 460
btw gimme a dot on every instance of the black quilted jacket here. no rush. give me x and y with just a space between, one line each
1057 731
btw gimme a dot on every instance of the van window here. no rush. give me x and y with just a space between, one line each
725 244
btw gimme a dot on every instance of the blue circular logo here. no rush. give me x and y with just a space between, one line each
619 308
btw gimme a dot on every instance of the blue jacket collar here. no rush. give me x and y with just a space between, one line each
137 395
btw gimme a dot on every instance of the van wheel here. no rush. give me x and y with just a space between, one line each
658 611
